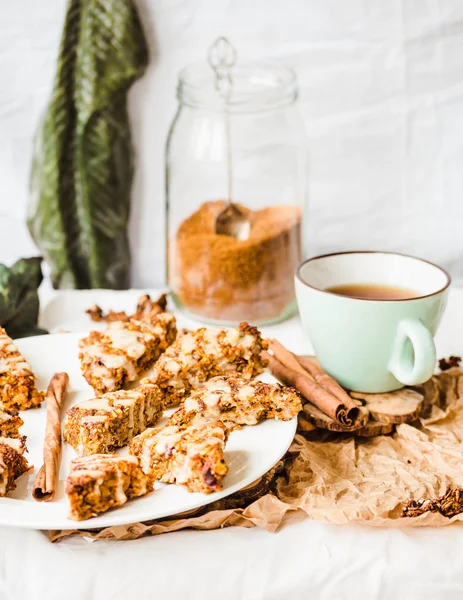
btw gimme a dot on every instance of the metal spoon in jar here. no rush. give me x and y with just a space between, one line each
231 220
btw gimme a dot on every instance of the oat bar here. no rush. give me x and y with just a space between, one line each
12 462
188 456
237 401
197 356
10 422
147 310
111 421
112 359
103 481
17 381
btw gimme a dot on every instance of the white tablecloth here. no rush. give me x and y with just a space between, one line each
305 559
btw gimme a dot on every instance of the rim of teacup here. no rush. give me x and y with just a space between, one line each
314 258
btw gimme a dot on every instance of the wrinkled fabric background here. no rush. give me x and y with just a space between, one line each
381 94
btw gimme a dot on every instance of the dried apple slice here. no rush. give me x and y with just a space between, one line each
402 406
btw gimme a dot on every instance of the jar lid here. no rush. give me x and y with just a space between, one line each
257 85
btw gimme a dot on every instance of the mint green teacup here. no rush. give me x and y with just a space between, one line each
372 346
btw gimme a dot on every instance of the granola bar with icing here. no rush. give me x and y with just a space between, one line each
10 422
13 464
237 401
198 356
101 425
103 481
189 456
17 381
112 359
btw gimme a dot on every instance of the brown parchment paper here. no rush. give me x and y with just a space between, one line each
412 477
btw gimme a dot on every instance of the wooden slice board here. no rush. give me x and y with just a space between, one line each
402 406
373 428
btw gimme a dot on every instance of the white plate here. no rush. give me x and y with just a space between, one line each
250 453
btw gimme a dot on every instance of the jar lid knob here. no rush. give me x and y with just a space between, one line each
222 57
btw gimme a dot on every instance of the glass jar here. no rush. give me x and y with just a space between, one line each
255 138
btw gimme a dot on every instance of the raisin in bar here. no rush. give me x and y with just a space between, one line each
188 456
10 422
12 462
197 356
237 401
111 421
103 481
17 381
112 359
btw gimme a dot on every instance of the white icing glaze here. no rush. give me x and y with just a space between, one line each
5 341
191 404
4 416
128 340
211 394
158 330
157 442
247 341
218 384
11 359
15 443
211 344
119 398
119 492
172 366
22 365
96 473
98 462
143 485
215 438
187 343
112 361
103 374
14 364
232 336
93 418
181 472
166 439
246 392
145 458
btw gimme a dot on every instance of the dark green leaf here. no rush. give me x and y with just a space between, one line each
19 300
83 160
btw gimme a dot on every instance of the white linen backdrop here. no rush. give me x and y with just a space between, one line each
381 91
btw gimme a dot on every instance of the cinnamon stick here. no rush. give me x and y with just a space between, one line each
306 385
45 483
312 366
318 387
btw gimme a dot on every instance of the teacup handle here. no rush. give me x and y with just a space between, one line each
406 369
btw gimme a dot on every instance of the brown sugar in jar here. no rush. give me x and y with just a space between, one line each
219 278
